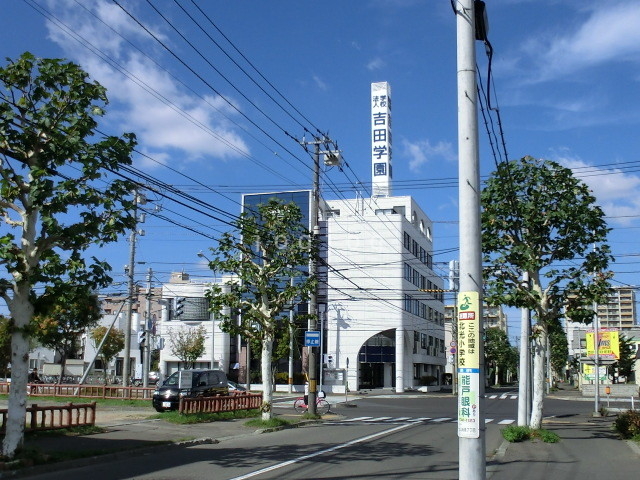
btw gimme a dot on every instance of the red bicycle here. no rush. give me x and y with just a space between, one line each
322 406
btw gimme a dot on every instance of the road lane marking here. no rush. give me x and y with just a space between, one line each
322 452
506 422
438 420
488 420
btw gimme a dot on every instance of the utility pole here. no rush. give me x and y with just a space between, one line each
471 373
148 340
333 158
313 270
138 199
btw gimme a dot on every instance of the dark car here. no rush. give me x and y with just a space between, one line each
190 384
234 387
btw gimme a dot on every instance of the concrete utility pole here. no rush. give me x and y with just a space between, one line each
126 367
472 463
313 270
138 199
148 340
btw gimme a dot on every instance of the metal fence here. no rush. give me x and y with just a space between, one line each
242 401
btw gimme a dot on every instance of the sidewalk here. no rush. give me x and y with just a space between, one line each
588 447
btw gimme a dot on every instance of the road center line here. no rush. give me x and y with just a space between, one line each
322 452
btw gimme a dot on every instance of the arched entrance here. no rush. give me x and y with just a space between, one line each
377 358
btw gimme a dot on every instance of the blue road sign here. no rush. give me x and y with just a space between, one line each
311 339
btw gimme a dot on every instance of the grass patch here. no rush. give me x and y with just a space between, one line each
271 423
514 433
180 419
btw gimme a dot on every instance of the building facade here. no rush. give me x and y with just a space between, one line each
385 314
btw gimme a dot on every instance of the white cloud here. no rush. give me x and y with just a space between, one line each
376 64
422 152
320 83
146 100
609 34
614 189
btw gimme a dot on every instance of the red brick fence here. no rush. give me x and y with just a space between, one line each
54 417
241 401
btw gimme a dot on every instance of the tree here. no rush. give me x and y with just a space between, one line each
559 348
65 319
5 344
112 346
57 198
497 350
539 219
624 366
267 249
187 343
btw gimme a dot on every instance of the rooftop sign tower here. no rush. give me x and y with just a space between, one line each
381 139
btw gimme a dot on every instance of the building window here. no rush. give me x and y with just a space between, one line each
407 303
407 241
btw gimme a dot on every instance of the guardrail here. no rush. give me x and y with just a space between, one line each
241 401
83 391
56 416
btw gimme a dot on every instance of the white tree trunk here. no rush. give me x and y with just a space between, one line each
497 375
267 379
539 352
21 312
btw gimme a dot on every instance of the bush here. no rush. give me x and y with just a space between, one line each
628 424
514 433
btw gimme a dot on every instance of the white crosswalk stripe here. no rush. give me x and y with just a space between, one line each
425 420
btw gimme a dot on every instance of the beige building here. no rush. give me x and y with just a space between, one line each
620 310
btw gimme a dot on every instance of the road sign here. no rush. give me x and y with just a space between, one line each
453 344
312 339
452 350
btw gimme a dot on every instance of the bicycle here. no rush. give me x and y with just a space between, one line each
322 406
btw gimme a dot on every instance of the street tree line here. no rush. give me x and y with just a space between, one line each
60 196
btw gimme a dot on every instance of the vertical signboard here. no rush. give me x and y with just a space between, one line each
608 344
468 365
381 138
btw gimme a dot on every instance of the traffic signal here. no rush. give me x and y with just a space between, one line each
142 336
179 307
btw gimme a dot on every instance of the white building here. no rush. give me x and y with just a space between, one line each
195 314
383 323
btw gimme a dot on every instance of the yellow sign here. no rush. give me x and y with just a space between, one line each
608 344
468 330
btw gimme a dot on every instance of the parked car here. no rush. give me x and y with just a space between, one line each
190 384
234 387
153 377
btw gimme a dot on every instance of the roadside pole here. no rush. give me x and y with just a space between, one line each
524 413
471 427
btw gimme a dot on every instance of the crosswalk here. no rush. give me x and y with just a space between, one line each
504 396
403 420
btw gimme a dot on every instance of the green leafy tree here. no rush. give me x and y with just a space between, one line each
65 319
187 343
559 348
57 198
112 346
539 219
625 365
497 349
266 250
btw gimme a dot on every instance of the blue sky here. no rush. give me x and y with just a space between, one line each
566 79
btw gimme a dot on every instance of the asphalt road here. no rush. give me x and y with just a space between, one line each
408 438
